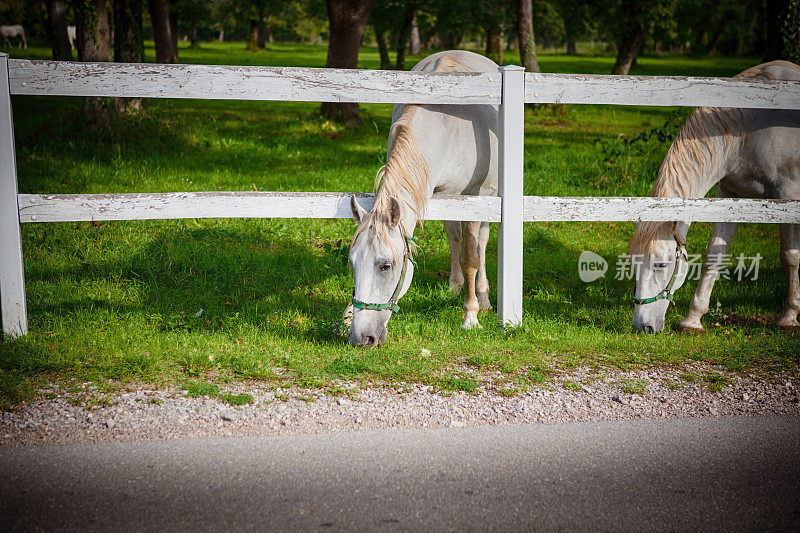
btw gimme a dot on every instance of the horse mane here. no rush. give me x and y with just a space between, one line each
696 149
406 175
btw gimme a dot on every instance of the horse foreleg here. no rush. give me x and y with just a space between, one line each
721 239
453 230
470 258
483 282
790 259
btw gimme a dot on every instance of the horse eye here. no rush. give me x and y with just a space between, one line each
661 266
386 266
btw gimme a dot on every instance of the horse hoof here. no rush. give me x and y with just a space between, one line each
471 323
690 330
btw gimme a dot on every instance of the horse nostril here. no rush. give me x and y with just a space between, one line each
649 329
369 341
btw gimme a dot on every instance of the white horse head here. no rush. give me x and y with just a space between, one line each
658 250
380 257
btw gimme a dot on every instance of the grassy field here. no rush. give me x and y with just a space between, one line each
211 301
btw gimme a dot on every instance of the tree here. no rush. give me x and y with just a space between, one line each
57 22
414 44
128 44
631 34
548 25
405 33
791 32
347 20
94 45
577 21
166 49
527 46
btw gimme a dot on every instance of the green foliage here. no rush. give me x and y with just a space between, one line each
633 386
458 382
237 399
636 159
197 389
715 381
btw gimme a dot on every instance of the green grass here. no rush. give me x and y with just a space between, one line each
122 300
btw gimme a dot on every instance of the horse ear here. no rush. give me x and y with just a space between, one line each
394 211
358 212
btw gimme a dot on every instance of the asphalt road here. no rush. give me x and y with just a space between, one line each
686 474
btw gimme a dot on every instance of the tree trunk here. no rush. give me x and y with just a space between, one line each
195 42
791 33
162 32
633 15
494 49
252 39
57 19
712 45
405 33
263 35
414 43
572 49
128 44
221 37
527 46
94 45
173 29
347 19
628 50
776 13
383 49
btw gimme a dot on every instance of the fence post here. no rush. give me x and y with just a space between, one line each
12 276
511 139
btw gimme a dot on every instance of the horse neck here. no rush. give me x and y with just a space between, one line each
406 176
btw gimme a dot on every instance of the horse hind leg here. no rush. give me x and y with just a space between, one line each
721 239
470 259
790 259
453 230
483 282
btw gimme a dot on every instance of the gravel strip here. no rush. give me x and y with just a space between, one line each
79 413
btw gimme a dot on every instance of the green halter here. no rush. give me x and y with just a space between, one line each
667 293
392 303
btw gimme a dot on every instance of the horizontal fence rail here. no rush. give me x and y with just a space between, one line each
297 84
660 91
56 78
162 206
634 209
99 207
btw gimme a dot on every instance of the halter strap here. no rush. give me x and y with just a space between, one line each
667 293
392 303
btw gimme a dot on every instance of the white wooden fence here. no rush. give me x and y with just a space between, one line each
510 88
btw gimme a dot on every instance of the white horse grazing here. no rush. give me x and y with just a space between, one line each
13 32
747 153
448 149
71 35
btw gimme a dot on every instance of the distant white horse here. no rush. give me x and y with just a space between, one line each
450 149
746 153
71 35
13 32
